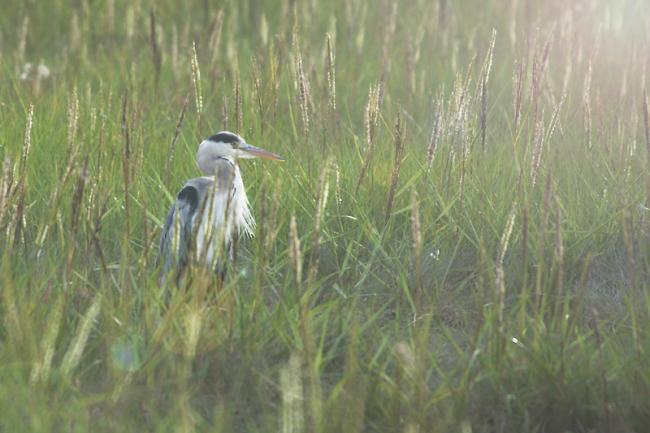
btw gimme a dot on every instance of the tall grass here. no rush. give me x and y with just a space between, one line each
463 247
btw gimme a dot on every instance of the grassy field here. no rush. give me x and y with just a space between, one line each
457 242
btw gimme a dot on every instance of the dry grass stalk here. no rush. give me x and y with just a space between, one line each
294 252
500 285
129 23
41 369
291 387
542 136
436 132
171 151
239 110
257 87
22 42
27 144
555 119
224 112
263 225
464 138
586 106
538 147
483 113
629 239
399 155
626 149
18 217
360 30
321 202
73 355
196 80
371 118
568 69
215 42
416 233
75 33
646 130
304 94
413 56
102 134
14 331
390 21
485 76
337 187
271 222
331 75
559 248
93 119
452 131
95 234
6 183
524 244
264 30
505 236
126 160
546 212
193 322
110 16
540 62
500 276
624 85
77 197
174 56
442 14
155 49
462 102
18 220
512 28
148 238
274 73
73 125
517 93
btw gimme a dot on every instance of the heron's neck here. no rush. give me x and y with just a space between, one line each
227 158
209 166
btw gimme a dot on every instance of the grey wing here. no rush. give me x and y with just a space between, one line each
176 238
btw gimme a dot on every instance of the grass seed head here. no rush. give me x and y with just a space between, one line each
196 80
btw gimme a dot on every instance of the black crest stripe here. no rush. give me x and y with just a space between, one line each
225 137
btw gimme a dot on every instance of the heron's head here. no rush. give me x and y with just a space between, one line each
230 146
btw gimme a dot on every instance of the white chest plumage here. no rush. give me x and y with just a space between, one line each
225 214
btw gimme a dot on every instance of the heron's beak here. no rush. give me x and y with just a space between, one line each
256 152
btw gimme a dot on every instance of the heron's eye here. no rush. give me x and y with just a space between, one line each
235 144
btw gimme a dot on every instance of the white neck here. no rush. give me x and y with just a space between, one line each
210 152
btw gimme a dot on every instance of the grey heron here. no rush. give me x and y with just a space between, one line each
211 210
